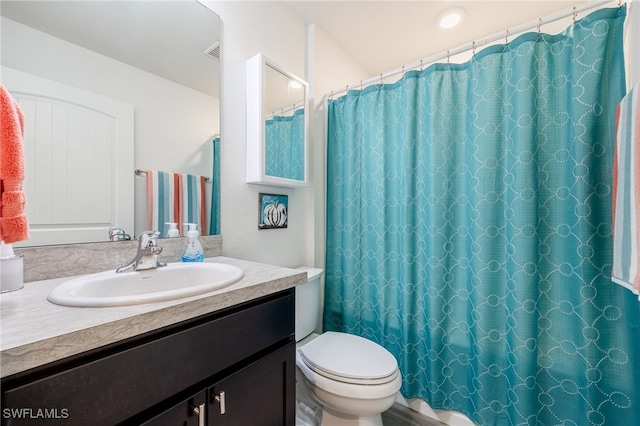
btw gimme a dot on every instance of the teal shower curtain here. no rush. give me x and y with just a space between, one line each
214 225
469 230
284 146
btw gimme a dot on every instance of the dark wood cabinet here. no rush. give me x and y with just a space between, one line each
257 394
190 412
247 352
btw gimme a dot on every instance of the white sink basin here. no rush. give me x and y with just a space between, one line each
174 281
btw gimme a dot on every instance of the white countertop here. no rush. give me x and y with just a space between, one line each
34 332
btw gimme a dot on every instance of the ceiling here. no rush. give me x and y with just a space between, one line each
166 38
379 35
384 35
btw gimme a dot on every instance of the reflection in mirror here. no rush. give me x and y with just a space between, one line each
157 62
276 125
284 125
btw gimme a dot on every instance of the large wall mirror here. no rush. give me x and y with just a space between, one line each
277 125
156 61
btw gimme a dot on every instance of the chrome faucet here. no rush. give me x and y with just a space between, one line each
147 255
118 234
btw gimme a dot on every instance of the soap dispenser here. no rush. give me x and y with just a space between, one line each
173 230
193 251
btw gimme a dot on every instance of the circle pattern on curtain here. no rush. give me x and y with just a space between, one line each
469 230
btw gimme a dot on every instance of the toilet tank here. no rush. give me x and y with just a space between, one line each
308 303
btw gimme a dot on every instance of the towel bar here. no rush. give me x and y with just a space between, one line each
142 172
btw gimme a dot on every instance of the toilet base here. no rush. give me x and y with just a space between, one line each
311 412
329 419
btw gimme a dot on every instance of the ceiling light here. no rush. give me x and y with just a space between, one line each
295 84
450 17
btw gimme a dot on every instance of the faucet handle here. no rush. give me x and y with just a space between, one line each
118 234
148 240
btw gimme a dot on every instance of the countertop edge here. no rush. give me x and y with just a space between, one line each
38 353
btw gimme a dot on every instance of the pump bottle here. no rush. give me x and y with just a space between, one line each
173 231
193 251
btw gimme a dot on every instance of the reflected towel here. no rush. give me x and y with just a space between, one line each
14 225
162 200
626 193
175 198
193 201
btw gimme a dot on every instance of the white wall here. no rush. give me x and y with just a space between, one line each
248 28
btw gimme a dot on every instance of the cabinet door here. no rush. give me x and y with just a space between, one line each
262 393
190 412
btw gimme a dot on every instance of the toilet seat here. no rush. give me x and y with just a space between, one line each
349 359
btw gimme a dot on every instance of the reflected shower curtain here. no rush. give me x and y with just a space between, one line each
214 222
469 230
284 146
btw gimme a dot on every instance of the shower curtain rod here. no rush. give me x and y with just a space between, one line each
474 45
287 109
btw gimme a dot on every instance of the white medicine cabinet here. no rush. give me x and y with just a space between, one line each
277 125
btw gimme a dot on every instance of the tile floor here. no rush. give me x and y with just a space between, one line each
399 415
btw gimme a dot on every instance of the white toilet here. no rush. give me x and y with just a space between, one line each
352 378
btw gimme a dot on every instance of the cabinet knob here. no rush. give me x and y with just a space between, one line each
220 398
199 411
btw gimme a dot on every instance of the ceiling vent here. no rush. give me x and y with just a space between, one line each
213 50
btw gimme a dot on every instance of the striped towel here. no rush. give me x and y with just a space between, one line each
194 209
177 198
626 193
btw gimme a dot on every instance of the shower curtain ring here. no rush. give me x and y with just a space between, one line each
539 25
361 86
420 64
381 79
575 14
473 51
506 38
448 58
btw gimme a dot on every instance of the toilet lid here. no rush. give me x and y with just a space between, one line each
349 358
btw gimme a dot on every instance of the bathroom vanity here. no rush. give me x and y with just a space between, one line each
223 358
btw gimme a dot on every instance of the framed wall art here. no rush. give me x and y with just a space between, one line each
273 211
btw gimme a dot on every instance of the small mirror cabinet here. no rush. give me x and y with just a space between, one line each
277 125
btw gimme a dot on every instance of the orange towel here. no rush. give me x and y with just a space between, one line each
14 226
